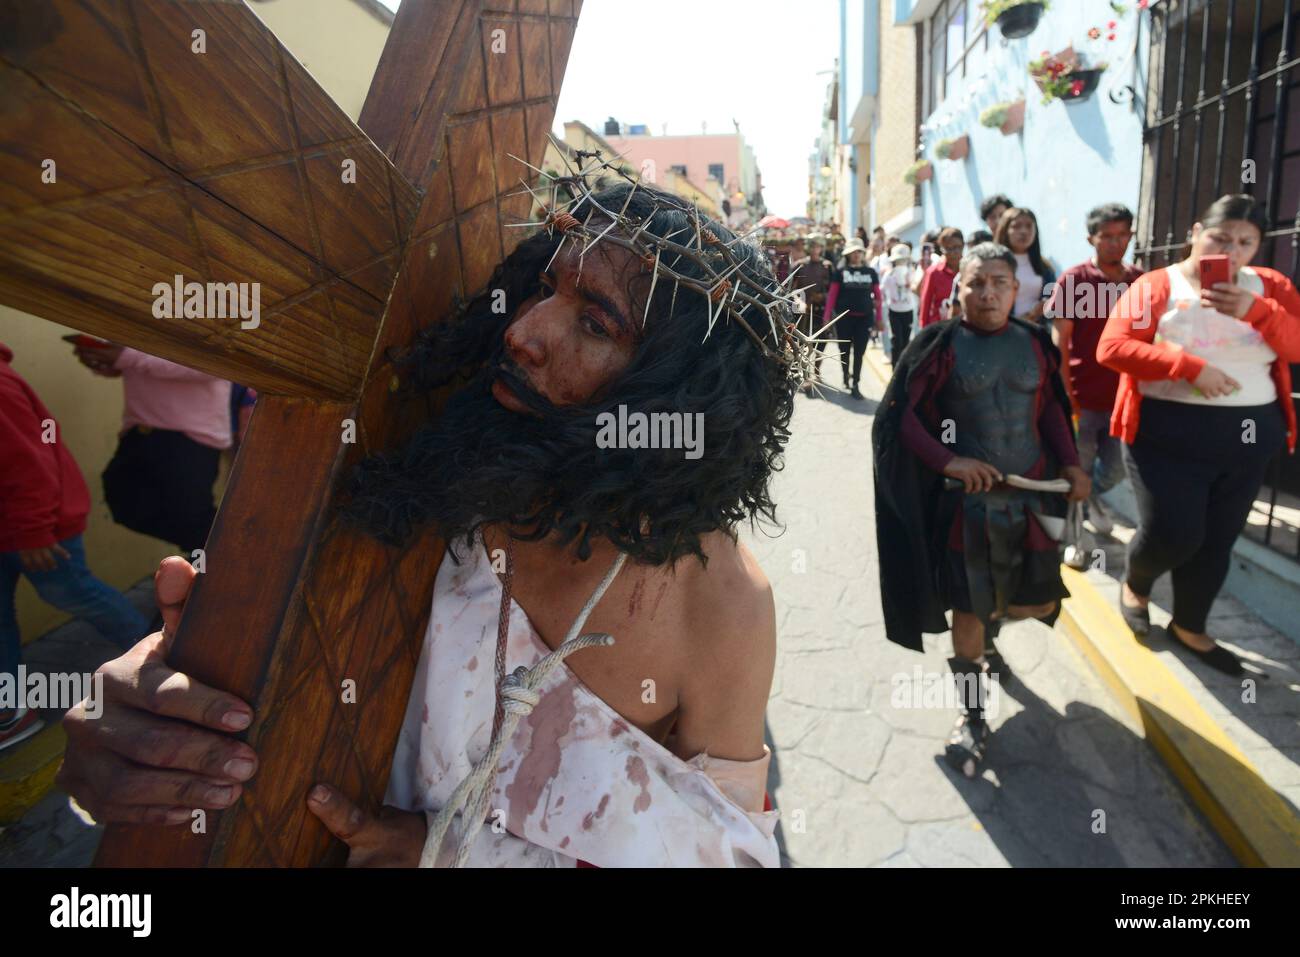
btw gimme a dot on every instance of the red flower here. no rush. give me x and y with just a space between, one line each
1111 25
1076 87
1094 33
1110 36
1142 4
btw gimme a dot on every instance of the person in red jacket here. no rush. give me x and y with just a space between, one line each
1208 370
43 507
941 276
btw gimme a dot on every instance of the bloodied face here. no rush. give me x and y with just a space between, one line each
576 334
523 392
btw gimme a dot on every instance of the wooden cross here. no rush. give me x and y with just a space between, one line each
228 164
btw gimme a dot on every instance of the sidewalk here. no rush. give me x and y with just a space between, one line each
51 834
1258 713
1068 780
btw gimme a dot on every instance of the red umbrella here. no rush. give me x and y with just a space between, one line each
773 222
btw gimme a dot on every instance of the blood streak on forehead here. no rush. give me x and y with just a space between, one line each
604 274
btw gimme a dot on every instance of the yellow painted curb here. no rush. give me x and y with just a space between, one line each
1256 823
27 771
869 360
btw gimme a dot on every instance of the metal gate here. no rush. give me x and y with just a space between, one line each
1222 115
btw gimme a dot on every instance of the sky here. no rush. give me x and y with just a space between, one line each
688 62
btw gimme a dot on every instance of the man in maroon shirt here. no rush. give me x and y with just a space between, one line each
1079 306
937 285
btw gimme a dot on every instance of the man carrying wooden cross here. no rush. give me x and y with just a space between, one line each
648 752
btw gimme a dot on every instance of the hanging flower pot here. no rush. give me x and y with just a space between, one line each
1083 83
1007 117
1015 18
918 172
954 149
1063 76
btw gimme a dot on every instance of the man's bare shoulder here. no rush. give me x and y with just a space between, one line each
731 608
733 582
729 653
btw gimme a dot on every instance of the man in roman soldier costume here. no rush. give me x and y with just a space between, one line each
972 429
600 650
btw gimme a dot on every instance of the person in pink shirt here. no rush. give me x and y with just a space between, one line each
174 427
937 285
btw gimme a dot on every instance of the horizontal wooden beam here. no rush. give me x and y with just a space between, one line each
150 139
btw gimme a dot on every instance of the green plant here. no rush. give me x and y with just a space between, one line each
995 8
995 115
914 171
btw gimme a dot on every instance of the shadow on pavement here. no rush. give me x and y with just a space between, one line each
1054 790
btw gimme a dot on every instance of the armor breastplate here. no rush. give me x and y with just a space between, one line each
992 398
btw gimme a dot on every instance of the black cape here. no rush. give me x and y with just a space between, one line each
913 515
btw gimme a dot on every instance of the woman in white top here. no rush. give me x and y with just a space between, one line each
1209 371
1018 231
900 303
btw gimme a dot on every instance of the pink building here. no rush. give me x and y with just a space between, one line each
723 157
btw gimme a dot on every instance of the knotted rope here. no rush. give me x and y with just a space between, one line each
517 695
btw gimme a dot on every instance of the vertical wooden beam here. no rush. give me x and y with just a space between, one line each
342 606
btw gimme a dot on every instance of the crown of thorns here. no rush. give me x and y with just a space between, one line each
731 288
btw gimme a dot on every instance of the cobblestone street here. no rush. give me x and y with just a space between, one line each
1067 780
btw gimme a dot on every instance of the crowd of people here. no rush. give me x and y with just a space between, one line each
1014 400
997 428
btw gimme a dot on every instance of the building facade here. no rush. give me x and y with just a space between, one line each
1066 158
858 91
821 171
722 157
878 112
895 204
579 136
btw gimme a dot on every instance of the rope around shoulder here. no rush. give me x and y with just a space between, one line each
517 695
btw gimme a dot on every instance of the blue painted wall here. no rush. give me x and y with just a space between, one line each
859 76
1068 158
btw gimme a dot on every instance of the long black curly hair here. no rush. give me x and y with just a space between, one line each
480 463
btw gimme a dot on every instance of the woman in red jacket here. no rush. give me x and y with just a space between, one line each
1209 371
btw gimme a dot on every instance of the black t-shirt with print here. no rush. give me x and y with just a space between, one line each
857 288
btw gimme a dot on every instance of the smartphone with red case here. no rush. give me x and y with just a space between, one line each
85 341
1213 269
